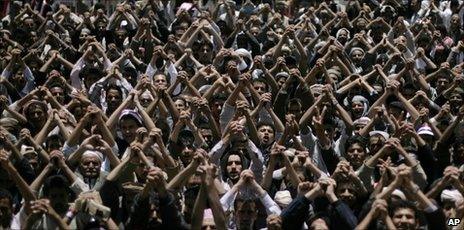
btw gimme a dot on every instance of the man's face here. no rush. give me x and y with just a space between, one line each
346 193
355 155
266 135
180 104
442 84
358 108
6 212
357 56
90 166
295 109
246 215
281 81
216 108
404 218
128 128
58 93
59 199
18 80
260 87
234 167
342 36
207 135
160 81
455 100
375 143
36 114
113 98
319 224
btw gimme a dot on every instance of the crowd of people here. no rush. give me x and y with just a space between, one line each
232 114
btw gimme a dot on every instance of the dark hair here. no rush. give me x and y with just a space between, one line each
403 204
294 101
240 199
90 70
265 123
56 181
225 158
356 140
114 87
219 96
5 194
320 215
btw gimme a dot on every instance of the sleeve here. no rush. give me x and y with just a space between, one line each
227 200
344 215
296 213
435 219
419 176
270 204
257 161
330 159
226 115
79 186
365 175
75 81
30 81
216 152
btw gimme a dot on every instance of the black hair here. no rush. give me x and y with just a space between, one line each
262 81
403 204
55 181
265 123
240 199
356 140
218 97
90 70
5 194
114 87
320 215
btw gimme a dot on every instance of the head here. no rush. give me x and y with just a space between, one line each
55 189
346 192
160 80
180 103
128 124
113 97
319 222
356 151
234 166
58 93
54 142
90 75
376 142
260 86
246 213
357 55
36 113
90 164
18 79
216 104
358 107
6 208
266 133
343 35
404 215
294 107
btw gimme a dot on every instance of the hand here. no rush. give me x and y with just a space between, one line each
57 159
156 178
380 208
4 158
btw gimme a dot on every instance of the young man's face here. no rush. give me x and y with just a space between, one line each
160 81
246 215
355 154
113 98
266 134
6 212
404 218
128 128
260 87
234 167
346 193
